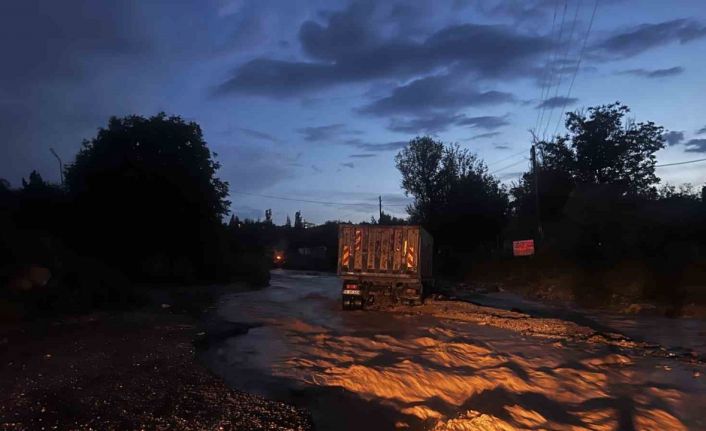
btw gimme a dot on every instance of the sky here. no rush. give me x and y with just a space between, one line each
307 100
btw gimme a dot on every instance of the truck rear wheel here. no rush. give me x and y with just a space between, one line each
409 294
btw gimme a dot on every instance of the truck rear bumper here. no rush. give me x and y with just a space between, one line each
358 293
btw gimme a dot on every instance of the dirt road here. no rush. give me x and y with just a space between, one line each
445 366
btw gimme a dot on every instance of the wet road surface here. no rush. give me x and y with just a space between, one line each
377 370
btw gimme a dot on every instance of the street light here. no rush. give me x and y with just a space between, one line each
61 165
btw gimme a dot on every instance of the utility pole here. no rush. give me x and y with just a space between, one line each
61 165
380 205
533 155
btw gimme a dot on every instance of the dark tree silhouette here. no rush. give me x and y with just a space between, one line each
147 195
388 219
288 223
233 222
455 198
35 182
298 220
603 147
424 175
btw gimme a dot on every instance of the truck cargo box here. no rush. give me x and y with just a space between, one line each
401 252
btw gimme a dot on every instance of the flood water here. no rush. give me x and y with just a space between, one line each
374 370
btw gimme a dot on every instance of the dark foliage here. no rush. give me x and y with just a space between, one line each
455 198
390 220
602 148
600 208
298 220
141 203
146 197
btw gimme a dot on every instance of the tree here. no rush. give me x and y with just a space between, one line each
604 147
233 222
288 223
6 194
388 219
35 182
555 186
454 195
268 216
146 188
298 220
428 169
684 191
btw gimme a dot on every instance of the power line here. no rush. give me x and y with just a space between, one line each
553 61
578 65
566 58
506 158
680 163
301 200
315 201
546 69
508 166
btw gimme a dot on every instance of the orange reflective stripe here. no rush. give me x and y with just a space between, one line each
410 257
358 239
346 256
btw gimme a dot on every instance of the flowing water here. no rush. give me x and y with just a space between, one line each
376 370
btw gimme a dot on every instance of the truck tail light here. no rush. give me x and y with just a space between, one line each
351 289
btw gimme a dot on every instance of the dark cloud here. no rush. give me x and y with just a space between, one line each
557 102
695 146
347 32
518 10
484 135
425 124
346 49
44 40
321 133
348 165
673 138
258 134
365 146
252 168
434 93
487 122
362 156
440 122
278 78
316 169
654 73
646 36
501 147
701 131
57 83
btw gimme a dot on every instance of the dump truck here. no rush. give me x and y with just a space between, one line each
383 264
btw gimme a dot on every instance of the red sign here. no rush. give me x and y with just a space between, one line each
523 248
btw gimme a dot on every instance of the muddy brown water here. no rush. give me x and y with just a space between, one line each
374 370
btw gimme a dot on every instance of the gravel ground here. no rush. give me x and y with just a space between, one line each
122 371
